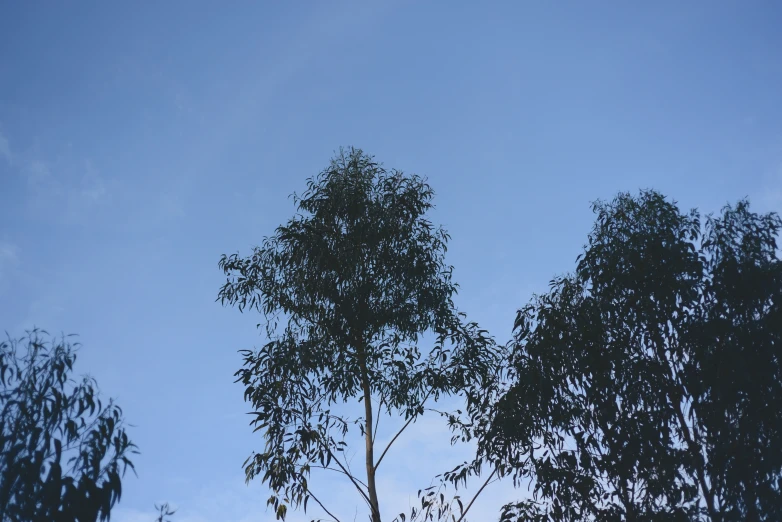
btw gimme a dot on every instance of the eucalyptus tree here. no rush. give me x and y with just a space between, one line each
647 385
63 452
350 289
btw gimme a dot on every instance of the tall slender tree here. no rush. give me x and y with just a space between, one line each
348 288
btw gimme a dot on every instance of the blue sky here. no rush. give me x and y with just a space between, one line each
139 141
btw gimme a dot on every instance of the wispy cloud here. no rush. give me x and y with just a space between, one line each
8 252
9 256
53 183
773 192
93 187
5 149
70 191
770 198
39 175
9 259
46 311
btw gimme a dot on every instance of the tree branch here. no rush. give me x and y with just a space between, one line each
409 421
345 471
486 483
347 474
338 471
377 420
329 513
398 433
693 444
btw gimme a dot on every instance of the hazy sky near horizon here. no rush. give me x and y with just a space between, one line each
139 141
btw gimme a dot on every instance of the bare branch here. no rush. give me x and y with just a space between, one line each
410 420
348 474
488 479
398 433
329 513
377 420
338 471
345 471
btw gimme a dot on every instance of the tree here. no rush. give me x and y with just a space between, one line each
348 287
62 451
647 385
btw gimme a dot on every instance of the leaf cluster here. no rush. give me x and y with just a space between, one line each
63 452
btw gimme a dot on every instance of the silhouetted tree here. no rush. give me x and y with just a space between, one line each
647 385
348 287
62 452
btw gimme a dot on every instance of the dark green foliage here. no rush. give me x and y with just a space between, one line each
348 286
62 452
647 385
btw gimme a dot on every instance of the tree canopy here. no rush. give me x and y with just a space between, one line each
63 452
647 384
348 288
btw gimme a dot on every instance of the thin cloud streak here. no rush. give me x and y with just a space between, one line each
5 149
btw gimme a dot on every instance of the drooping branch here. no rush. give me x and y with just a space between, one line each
329 513
327 468
348 474
357 483
409 421
398 433
477 493
377 420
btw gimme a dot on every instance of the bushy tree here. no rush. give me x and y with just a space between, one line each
647 385
63 452
348 287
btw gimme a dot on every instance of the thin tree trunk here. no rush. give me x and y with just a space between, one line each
370 447
701 474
